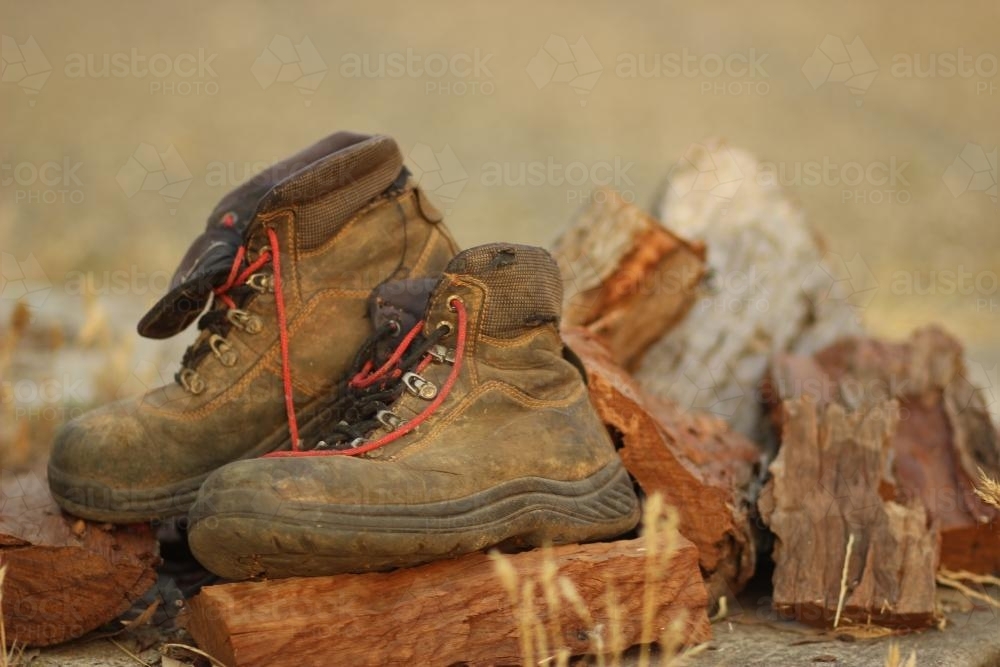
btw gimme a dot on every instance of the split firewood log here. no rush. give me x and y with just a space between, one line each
700 466
627 278
845 549
64 576
944 437
452 612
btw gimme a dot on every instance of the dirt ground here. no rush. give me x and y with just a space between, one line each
511 113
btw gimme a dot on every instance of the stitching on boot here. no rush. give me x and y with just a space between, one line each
427 439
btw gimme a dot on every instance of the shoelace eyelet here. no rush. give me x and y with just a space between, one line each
245 321
420 386
442 354
261 282
264 250
390 419
191 381
223 351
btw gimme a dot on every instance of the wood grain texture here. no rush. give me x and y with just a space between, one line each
771 286
65 576
831 501
944 434
702 467
627 277
448 612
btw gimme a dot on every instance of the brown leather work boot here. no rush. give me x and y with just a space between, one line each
288 262
475 431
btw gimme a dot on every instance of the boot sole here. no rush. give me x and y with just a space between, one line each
109 505
248 534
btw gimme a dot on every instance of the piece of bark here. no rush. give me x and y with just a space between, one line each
842 542
65 576
627 277
771 288
945 434
449 612
702 467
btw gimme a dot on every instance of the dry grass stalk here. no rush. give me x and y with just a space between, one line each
550 589
661 533
895 658
8 343
129 653
166 649
13 655
509 580
988 489
723 611
672 650
954 580
616 618
542 643
843 580
3 626
962 575
865 631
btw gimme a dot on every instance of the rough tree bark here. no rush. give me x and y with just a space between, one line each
65 576
702 467
945 434
845 550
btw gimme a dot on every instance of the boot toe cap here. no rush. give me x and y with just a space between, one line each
92 446
104 466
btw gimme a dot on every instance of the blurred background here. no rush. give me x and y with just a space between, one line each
124 123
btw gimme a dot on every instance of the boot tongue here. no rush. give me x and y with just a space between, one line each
209 258
402 301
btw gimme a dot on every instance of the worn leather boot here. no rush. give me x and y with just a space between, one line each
288 262
475 431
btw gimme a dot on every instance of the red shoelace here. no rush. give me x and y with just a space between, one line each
237 277
366 378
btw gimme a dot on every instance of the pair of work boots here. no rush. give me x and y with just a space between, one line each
360 396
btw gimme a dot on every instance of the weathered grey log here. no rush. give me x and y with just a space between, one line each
771 287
